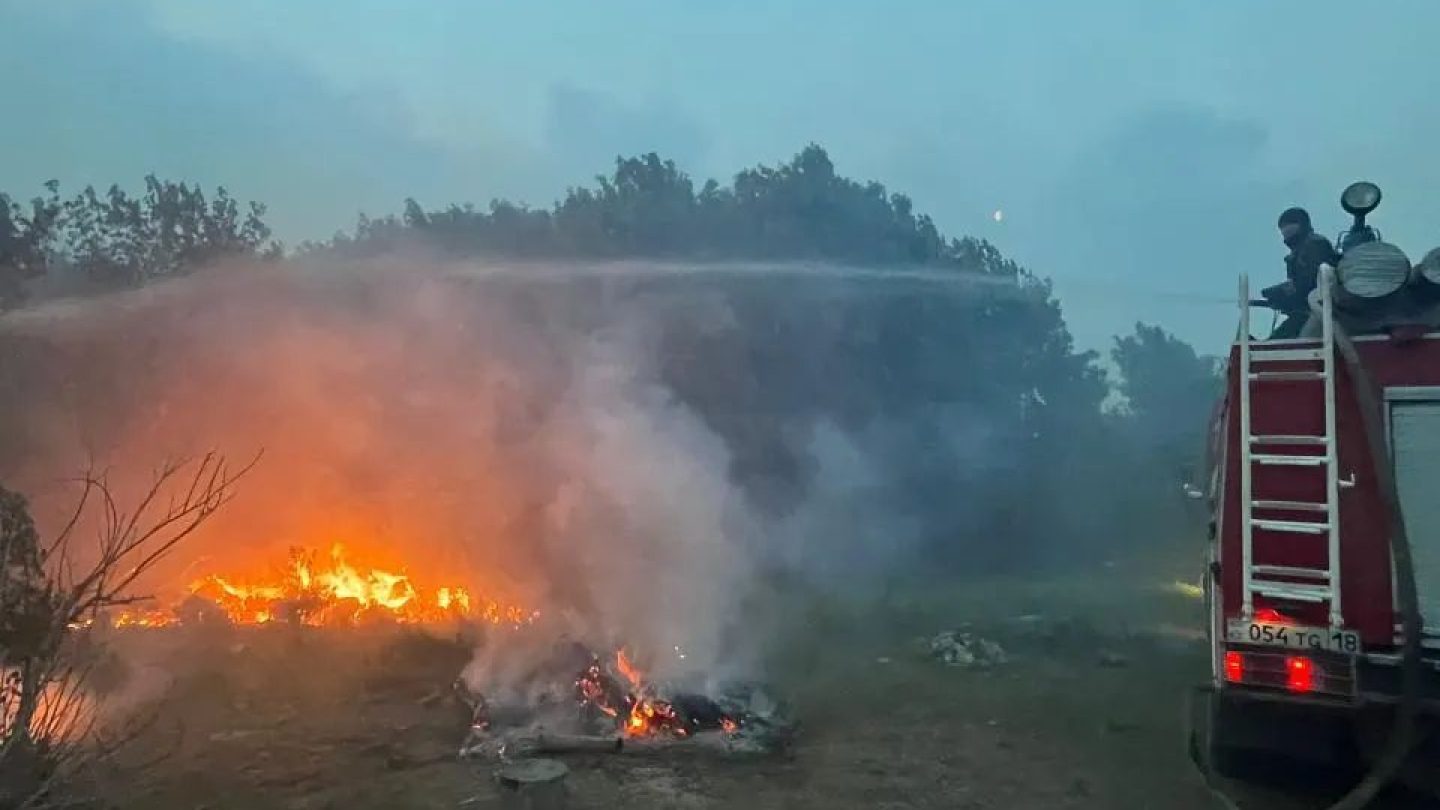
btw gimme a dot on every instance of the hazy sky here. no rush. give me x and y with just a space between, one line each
1140 149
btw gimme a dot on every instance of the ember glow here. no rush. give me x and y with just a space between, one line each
633 701
329 590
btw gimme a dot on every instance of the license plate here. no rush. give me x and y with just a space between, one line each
1292 636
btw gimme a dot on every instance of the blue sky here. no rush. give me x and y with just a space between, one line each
1140 149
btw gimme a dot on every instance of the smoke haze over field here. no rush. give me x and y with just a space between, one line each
461 418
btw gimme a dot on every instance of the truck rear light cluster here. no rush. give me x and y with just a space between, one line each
1300 674
1234 667
1289 672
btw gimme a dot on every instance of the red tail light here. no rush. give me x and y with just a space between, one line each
1299 674
1234 666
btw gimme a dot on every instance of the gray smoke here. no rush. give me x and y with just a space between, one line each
464 418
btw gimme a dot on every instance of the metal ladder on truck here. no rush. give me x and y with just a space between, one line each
1298 584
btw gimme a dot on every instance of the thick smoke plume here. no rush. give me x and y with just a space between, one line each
513 427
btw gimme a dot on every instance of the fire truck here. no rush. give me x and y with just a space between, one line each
1322 585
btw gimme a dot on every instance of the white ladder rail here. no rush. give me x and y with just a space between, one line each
1332 454
1247 501
1258 579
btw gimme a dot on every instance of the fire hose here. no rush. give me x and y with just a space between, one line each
1402 733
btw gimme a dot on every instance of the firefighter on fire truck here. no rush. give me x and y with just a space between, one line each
1308 251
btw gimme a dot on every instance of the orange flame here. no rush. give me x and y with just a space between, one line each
310 592
648 714
631 673
638 709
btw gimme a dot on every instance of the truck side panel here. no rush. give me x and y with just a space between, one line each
1409 376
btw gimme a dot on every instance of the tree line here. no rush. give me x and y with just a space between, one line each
118 240
647 207
985 405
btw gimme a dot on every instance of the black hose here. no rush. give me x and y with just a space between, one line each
1402 734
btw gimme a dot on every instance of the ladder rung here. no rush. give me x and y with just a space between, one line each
1287 356
1291 506
1293 590
1311 441
1286 376
1288 461
1290 571
1294 526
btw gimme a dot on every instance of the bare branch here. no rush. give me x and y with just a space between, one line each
49 719
132 543
65 531
202 501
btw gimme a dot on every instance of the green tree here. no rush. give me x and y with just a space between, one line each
171 229
648 208
1169 391
26 242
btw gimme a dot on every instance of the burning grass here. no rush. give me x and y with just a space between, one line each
327 590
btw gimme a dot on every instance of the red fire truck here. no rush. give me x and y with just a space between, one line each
1323 580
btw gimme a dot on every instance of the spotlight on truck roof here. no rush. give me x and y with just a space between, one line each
1360 198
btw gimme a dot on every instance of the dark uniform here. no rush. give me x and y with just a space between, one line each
1308 250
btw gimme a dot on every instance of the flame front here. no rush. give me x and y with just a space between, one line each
331 592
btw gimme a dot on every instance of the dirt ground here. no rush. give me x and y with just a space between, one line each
1088 713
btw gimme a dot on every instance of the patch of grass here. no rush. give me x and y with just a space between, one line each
881 723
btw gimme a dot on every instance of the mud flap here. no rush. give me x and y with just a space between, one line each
1235 736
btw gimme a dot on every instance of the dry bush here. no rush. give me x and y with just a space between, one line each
53 593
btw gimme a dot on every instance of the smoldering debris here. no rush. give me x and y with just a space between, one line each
607 705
